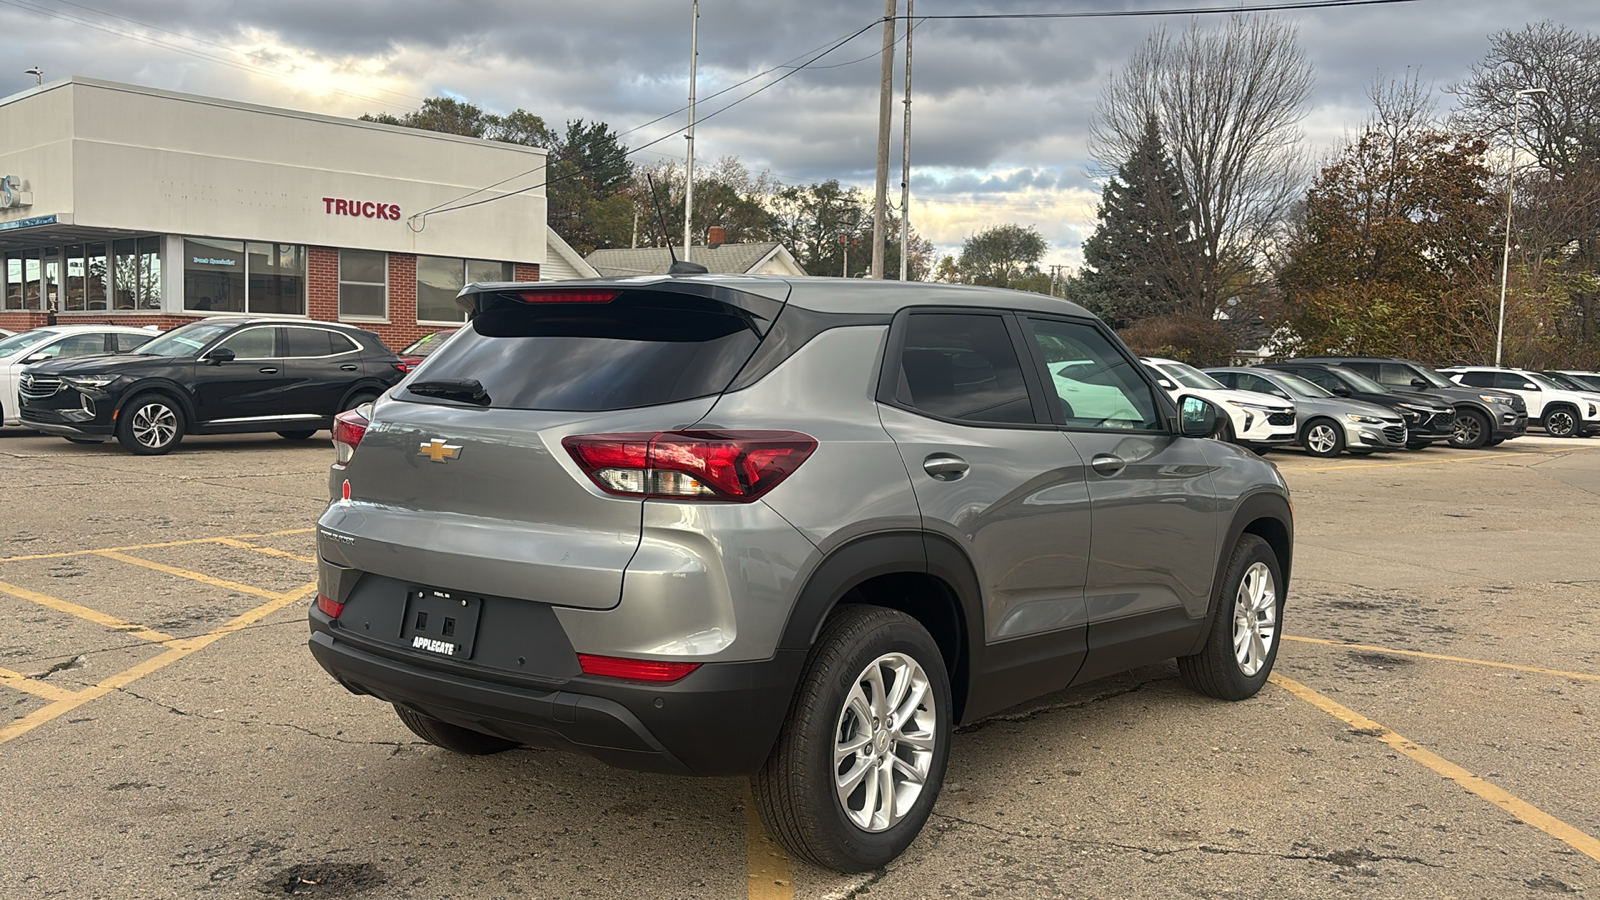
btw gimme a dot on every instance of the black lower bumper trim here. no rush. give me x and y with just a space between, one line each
722 719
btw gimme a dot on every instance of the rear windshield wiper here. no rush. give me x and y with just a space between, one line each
466 390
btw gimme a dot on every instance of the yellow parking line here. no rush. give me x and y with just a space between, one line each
208 540
1440 656
1523 810
270 551
33 686
769 875
176 651
84 612
185 573
1427 462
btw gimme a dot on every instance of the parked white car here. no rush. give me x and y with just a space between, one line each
1559 411
1256 420
21 350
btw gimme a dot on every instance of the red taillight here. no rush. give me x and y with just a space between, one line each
559 296
407 363
348 429
329 606
690 465
634 669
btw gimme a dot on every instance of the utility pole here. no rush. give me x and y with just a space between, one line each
881 197
905 157
688 179
1511 179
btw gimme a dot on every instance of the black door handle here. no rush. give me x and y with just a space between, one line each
1106 464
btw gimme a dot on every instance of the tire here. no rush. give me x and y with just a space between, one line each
358 399
1243 643
1471 429
797 792
297 435
1322 437
1494 442
1561 422
452 737
150 425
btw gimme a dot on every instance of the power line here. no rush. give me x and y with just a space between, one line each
1183 11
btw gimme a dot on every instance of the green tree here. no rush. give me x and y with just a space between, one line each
726 194
828 228
1398 247
1004 256
1141 259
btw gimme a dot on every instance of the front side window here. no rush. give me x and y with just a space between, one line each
1095 385
253 343
92 344
239 276
363 284
963 366
186 340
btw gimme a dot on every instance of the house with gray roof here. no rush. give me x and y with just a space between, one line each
762 258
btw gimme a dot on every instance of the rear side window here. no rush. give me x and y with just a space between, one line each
965 367
126 342
642 348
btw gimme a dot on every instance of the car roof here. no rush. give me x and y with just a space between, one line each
833 295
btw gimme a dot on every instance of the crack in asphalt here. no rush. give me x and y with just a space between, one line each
1347 859
112 648
1035 712
398 745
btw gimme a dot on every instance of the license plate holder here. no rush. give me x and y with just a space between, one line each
440 623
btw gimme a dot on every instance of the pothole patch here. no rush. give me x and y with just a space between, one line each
323 880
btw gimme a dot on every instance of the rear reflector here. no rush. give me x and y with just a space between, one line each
634 669
349 427
329 606
690 465
567 296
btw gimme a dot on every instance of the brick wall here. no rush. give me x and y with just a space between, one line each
525 272
322 283
22 321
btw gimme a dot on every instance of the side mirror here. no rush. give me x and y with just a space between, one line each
36 358
1340 390
1196 417
219 356
1166 385
1418 383
1529 386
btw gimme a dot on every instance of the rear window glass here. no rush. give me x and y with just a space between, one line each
643 348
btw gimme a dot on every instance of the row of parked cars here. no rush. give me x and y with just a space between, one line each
220 375
1345 404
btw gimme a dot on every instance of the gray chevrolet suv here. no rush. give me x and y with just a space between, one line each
795 529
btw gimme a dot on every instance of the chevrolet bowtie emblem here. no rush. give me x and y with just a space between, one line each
439 451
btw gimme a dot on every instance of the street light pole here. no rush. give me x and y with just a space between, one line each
37 73
905 156
688 172
1511 177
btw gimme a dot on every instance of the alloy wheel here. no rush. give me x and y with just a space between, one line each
1560 424
1255 618
1468 429
1320 439
154 425
884 742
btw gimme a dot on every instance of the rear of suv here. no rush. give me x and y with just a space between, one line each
791 529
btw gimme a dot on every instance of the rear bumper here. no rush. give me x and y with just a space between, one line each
722 719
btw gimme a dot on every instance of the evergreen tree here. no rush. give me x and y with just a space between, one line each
1141 260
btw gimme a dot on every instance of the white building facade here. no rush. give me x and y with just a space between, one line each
132 205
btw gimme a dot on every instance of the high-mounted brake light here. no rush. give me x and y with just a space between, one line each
349 427
634 669
690 465
567 296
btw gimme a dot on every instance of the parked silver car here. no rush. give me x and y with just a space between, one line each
796 529
1329 424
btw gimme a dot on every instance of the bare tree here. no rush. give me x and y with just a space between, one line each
1229 101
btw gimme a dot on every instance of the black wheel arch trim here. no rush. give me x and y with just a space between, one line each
367 385
1261 506
170 389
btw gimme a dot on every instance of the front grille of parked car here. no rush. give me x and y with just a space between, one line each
1443 421
1394 434
1519 404
1281 418
37 387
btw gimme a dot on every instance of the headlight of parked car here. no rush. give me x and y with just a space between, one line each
1494 400
1365 420
90 382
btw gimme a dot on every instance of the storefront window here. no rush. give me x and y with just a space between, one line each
363 284
136 273
149 292
11 273
95 276
75 282
277 278
213 275
440 278
30 280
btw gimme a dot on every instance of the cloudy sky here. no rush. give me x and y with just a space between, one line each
1001 108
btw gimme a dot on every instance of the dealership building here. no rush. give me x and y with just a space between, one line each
131 205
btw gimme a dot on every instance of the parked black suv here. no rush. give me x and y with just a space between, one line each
215 376
1483 416
1428 419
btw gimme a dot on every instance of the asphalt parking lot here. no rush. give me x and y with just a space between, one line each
1431 730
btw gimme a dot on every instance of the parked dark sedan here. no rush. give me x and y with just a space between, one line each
215 376
1428 419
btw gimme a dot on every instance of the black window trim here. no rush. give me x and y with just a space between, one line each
357 348
889 368
1166 409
